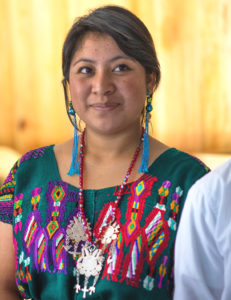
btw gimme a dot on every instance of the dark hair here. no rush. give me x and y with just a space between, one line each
129 32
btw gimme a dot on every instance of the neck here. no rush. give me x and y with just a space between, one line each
103 147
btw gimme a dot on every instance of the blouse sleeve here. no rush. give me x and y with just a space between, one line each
7 196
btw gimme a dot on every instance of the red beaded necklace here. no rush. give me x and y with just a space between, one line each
90 253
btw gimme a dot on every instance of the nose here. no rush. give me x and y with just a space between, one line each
102 83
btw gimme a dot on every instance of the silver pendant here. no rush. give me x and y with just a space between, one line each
111 233
89 264
75 236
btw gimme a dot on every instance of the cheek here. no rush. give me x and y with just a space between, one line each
136 93
77 91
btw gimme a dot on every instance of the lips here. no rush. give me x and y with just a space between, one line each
104 106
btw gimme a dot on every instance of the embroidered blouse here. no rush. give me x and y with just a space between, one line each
39 205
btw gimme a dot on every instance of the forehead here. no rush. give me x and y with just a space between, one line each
95 42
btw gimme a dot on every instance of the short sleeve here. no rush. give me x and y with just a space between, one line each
7 196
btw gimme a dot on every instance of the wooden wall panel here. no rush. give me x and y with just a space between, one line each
6 95
192 107
193 104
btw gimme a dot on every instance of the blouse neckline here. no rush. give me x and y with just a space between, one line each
153 165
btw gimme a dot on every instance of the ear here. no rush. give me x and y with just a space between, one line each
150 81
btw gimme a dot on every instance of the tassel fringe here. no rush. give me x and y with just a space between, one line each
145 154
74 167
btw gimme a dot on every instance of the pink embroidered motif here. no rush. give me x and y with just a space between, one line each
15 252
162 271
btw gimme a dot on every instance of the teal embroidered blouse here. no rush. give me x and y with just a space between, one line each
39 205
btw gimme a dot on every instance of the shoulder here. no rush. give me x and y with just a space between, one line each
36 153
32 162
179 164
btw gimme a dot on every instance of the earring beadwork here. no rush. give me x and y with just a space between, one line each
145 153
71 109
74 167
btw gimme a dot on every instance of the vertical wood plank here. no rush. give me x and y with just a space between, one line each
6 81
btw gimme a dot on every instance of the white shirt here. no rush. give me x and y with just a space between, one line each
203 242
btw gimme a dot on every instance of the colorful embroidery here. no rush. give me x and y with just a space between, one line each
21 289
56 197
18 212
162 271
22 272
58 252
135 209
32 225
139 256
47 243
35 198
41 253
135 238
33 154
6 196
15 252
144 244
31 229
114 258
174 206
157 235
163 193
104 218
135 258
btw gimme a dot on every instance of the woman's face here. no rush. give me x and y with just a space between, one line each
108 88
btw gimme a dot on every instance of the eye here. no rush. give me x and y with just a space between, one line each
85 70
121 67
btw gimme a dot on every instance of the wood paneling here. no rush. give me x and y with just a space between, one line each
192 107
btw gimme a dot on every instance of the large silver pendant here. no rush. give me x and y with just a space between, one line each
89 264
90 261
75 236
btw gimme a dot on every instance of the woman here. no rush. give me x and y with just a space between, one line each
96 217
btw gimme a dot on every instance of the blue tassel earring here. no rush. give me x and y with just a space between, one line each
74 167
145 154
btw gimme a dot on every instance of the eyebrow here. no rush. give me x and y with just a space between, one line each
87 60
